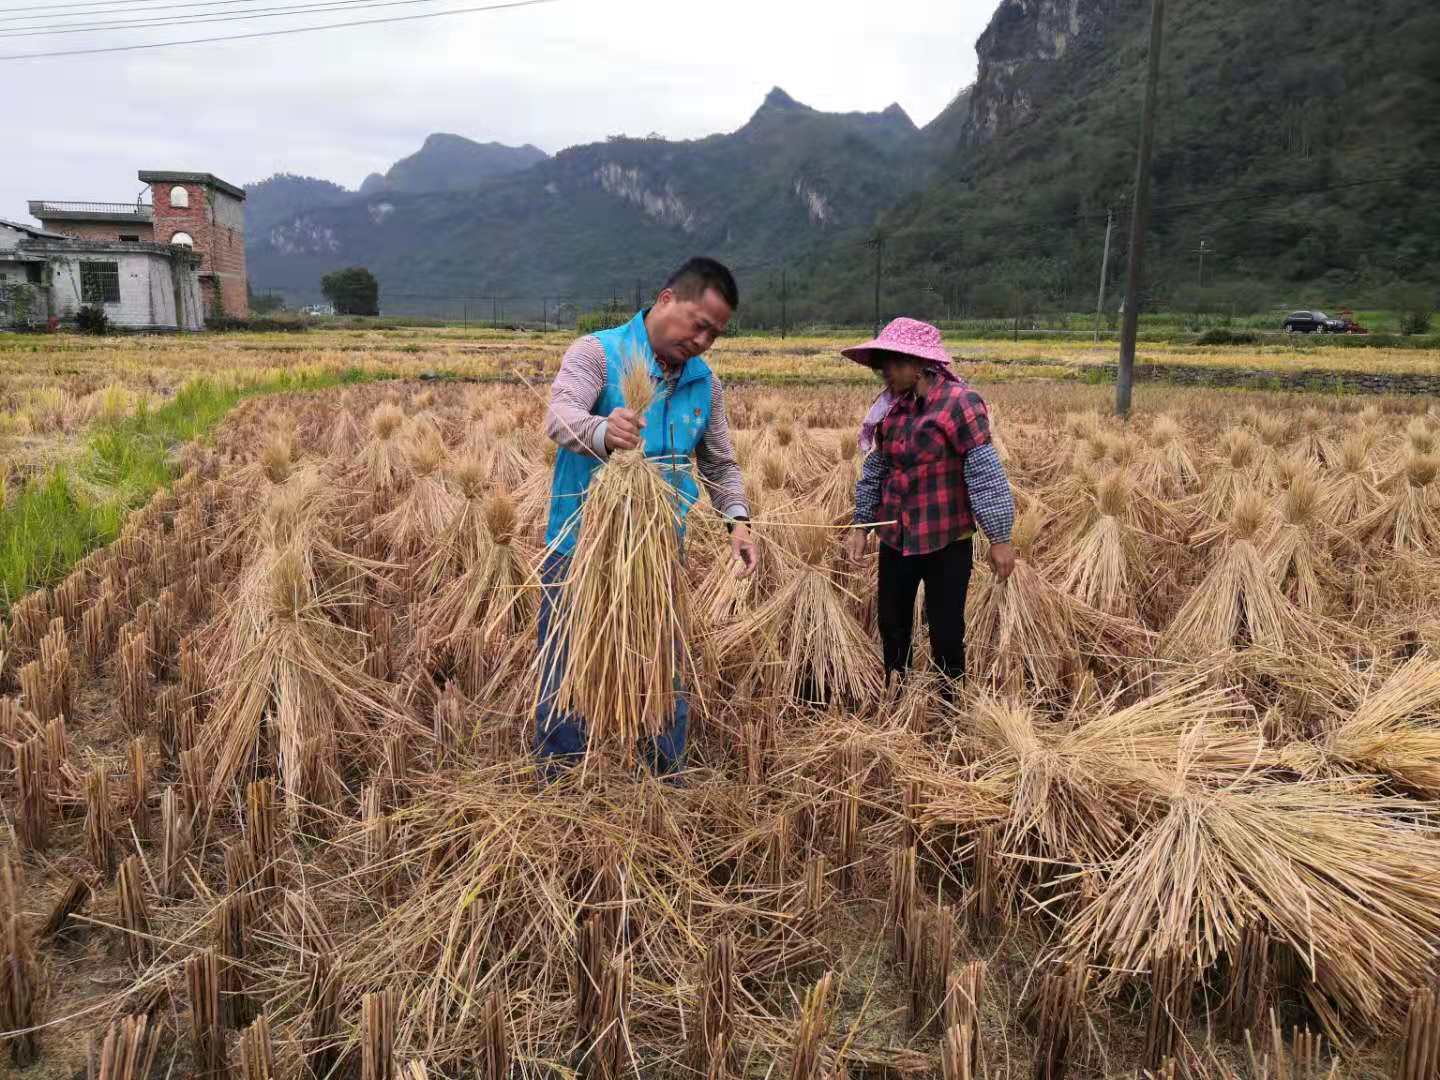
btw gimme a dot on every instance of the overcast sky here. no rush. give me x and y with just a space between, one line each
340 104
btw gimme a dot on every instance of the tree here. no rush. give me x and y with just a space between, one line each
353 291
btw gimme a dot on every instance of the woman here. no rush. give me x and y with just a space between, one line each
930 475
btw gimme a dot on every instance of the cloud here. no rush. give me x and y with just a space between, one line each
340 104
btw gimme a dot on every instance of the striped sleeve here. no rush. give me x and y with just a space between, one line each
577 386
715 459
989 489
867 489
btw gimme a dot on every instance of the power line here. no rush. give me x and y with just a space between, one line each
278 33
107 13
46 9
256 13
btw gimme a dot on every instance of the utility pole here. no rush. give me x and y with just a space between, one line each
784 302
1104 270
494 313
878 243
1139 220
1202 251
637 294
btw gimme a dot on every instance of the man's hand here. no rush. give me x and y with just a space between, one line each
856 541
1002 560
742 550
622 430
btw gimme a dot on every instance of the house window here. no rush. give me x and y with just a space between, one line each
179 198
183 239
99 283
130 238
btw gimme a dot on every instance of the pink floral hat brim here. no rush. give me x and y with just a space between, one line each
910 337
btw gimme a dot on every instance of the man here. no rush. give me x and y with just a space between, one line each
587 422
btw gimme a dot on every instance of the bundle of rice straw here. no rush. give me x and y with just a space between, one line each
834 491
1407 521
1025 631
1168 468
1354 492
295 691
623 619
425 509
720 595
1239 469
1297 551
1344 879
512 462
809 462
1238 604
464 538
803 640
1420 437
1395 729
496 594
1076 794
382 460
1312 443
1108 564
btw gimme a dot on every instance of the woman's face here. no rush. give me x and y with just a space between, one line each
900 373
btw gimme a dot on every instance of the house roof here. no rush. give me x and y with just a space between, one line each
66 245
30 230
59 210
166 176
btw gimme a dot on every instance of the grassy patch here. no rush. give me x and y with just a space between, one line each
54 520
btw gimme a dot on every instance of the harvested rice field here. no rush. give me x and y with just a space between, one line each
269 808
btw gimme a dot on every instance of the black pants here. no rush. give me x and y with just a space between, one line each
946 574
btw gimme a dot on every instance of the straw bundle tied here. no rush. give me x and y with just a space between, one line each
1343 878
299 690
1026 632
622 611
1407 521
496 594
802 641
1239 603
1076 793
1396 728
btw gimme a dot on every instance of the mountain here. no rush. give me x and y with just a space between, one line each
285 194
593 219
455 163
1297 139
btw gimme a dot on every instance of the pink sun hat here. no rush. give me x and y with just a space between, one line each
910 337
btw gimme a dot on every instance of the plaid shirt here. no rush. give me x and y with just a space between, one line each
924 442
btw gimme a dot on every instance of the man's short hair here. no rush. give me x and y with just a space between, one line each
698 274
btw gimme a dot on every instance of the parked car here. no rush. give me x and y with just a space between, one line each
1310 322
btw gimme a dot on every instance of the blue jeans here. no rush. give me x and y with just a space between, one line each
559 735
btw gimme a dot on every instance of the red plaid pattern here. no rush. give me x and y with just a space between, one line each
925 443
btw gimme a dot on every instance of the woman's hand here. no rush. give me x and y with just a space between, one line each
1002 560
855 543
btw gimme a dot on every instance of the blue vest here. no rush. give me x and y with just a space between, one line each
674 426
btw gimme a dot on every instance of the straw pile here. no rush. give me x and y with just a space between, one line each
622 606
1191 779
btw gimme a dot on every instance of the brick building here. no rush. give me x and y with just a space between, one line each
197 217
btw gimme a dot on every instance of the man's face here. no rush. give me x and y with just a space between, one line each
685 328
